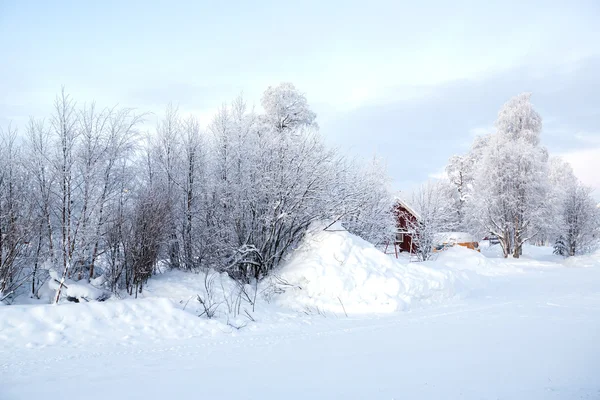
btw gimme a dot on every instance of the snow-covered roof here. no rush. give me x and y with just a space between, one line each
454 237
398 199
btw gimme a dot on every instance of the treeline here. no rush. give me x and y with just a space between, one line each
507 186
86 195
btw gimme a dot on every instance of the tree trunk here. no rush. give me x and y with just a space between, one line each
517 252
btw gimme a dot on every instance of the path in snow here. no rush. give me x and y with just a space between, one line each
530 336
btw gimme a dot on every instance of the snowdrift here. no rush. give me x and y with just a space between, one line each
335 271
460 258
332 272
585 261
79 324
74 291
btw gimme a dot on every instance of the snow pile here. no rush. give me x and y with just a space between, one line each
181 286
123 322
335 271
583 261
75 290
464 259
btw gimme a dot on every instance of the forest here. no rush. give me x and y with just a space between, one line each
88 194
508 186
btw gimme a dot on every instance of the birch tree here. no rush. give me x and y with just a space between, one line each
65 125
511 184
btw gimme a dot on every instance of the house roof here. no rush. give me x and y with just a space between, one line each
398 199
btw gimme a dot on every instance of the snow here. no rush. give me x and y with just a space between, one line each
77 290
399 198
87 324
528 336
335 271
454 237
474 326
464 259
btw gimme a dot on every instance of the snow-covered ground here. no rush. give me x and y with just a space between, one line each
464 326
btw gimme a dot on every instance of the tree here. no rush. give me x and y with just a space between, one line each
461 173
192 148
579 222
168 153
435 214
42 199
142 244
363 196
16 220
89 200
286 108
518 121
66 129
511 183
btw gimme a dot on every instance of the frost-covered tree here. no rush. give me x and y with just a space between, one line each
17 223
460 172
98 203
562 180
518 121
575 225
66 130
43 178
436 214
579 222
365 199
169 163
286 108
511 186
506 185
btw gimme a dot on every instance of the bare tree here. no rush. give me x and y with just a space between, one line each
65 124
44 177
142 243
16 219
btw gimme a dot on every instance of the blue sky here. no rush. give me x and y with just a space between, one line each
410 82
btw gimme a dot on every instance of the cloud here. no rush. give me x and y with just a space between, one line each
417 135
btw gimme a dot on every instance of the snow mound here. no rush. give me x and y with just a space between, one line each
335 271
82 324
75 290
463 259
584 261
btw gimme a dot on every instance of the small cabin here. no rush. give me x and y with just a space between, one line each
406 217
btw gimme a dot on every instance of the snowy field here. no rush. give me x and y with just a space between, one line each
351 324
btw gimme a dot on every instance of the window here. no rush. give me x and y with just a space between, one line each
399 237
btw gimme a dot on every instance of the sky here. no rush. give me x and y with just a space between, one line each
411 83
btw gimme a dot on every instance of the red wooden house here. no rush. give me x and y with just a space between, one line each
405 217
